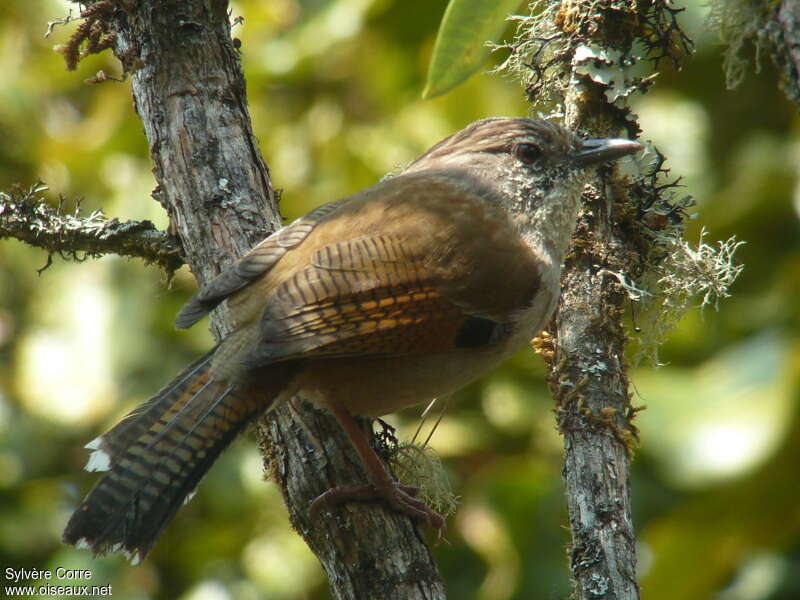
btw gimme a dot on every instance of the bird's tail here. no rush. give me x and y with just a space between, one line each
155 457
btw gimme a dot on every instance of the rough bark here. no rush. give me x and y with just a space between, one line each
590 385
593 410
771 28
189 93
787 47
578 54
367 551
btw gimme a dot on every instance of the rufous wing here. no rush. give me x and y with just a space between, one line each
416 263
380 295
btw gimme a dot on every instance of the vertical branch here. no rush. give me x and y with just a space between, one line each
771 28
589 383
590 387
189 92
577 55
589 380
786 53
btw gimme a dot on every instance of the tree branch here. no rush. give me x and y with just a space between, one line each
189 92
577 56
786 53
27 217
771 27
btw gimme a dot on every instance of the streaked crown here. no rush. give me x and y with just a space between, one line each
498 135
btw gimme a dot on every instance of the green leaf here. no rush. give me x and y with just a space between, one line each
460 47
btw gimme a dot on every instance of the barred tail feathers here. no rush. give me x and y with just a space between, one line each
155 457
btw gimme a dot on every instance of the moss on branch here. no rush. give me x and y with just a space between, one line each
26 216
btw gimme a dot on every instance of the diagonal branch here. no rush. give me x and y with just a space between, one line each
189 92
27 217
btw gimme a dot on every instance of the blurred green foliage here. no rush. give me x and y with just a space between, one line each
334 90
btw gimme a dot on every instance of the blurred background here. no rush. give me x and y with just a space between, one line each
334 89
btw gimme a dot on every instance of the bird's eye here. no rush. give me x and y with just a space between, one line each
527 152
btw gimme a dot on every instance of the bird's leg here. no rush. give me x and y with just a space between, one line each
382 487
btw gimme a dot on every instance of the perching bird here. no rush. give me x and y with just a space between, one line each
402 292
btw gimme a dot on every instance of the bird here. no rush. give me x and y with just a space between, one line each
402 292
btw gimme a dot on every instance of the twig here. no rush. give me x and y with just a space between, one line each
26 216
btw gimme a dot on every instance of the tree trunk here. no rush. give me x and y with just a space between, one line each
189 92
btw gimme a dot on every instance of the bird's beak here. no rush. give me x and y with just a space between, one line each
597 151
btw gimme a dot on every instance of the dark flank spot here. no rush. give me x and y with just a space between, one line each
477 332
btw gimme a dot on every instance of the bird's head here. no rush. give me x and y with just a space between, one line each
534 169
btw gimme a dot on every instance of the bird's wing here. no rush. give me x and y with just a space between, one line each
411 270
251 266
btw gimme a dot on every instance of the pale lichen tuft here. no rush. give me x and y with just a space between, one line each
688 277
420 466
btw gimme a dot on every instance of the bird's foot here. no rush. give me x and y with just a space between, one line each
402 498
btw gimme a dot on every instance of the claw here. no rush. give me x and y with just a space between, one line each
383 487
401 498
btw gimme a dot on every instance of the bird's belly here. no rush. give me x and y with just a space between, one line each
378 386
